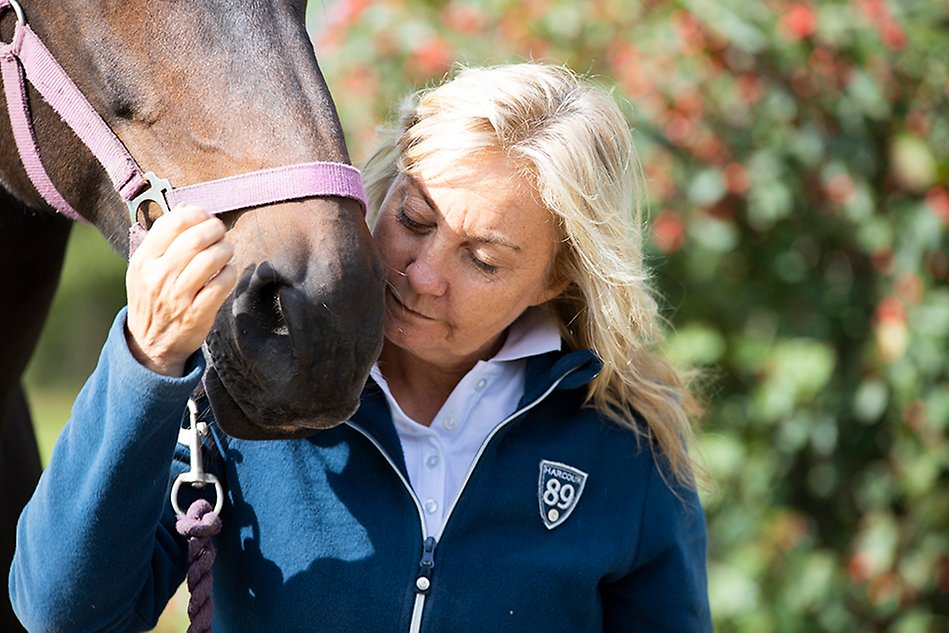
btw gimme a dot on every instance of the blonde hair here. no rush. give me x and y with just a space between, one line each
571 140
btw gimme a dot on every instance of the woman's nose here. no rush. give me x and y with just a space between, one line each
427 273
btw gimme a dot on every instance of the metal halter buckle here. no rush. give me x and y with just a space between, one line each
157 192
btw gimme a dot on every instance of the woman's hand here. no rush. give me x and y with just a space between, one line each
176 282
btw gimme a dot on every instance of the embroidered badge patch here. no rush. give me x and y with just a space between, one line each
558 491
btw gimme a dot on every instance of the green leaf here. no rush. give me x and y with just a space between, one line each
706 187
695 344
913 163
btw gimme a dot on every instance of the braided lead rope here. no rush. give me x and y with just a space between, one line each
199 525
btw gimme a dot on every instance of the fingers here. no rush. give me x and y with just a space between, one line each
167 228
206 264
176 283
187 241
191 241
211 296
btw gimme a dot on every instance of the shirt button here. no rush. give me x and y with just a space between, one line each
451 423
481 384
432 461
431 506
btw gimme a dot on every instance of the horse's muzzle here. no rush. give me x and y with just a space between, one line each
292 347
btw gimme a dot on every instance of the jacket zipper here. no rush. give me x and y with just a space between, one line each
423 582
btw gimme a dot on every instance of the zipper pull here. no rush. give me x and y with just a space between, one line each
425 566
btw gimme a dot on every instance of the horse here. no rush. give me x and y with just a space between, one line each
195 93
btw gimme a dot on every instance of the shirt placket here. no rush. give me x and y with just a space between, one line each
431 486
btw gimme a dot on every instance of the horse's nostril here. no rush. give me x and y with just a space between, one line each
281 328
267 307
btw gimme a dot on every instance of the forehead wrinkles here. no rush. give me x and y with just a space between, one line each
490 187
474 218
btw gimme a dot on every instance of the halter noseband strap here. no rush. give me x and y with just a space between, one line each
26 57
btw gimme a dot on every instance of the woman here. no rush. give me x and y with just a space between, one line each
517 462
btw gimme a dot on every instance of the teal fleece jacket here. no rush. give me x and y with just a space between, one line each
564 524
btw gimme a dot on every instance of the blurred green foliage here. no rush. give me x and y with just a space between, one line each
91 290
796 156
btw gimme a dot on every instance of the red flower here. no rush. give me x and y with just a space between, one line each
691 32
749 88
798 21
432 57
689 103
629 69
893 35
890 309
363 81
463 18
709 148
736 178
678 128
668 231
348 12
937 199
859 568
841 189
874 10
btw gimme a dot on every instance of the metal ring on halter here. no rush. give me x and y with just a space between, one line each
157 192
196 476
20 18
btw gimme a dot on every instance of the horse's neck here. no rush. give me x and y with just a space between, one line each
32 247
31 255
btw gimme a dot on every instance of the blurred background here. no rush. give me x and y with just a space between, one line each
797 155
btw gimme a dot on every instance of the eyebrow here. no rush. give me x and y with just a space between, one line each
488 238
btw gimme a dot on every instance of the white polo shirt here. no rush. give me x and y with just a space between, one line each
438 456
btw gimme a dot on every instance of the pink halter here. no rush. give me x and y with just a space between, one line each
26 57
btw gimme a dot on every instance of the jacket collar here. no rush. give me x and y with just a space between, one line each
575 368
374 418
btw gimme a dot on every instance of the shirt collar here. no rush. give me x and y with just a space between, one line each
533 333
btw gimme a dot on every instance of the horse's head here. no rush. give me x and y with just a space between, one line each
201 91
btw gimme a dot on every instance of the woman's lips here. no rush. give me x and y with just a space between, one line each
407 309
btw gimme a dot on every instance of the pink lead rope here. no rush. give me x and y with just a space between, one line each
26 57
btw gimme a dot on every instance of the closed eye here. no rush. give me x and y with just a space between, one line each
483 266
410 224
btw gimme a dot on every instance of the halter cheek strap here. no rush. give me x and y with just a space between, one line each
14 88
26 58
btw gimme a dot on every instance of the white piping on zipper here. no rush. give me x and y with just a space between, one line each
416 624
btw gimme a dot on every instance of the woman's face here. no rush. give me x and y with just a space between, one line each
466 253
